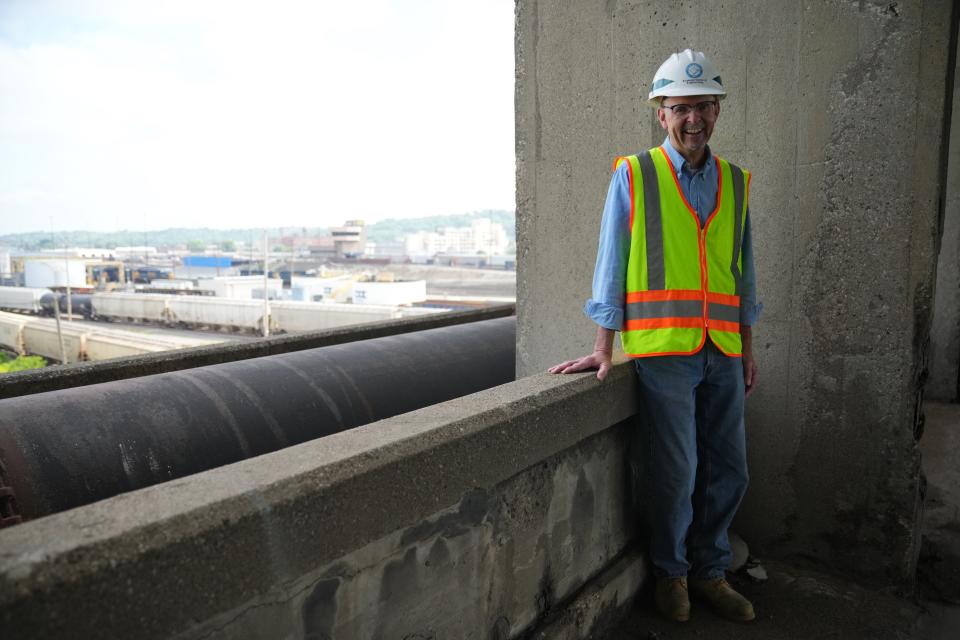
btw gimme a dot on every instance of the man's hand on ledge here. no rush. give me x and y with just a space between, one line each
599 360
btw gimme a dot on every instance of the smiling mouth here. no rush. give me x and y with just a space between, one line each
693 132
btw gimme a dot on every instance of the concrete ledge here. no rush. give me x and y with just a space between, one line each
84 373
494 480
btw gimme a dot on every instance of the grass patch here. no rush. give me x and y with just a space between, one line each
9 364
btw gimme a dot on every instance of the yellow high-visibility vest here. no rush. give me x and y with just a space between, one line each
683 279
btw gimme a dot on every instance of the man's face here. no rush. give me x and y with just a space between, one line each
690 132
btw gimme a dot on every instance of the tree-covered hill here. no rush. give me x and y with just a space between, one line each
383 231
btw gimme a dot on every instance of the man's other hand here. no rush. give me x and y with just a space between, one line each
749 374
749 364
599 360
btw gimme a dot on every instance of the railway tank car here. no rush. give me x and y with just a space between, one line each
43 302
79 304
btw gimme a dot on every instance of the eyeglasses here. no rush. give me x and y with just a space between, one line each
683 110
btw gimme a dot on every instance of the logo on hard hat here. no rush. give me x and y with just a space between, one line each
694 70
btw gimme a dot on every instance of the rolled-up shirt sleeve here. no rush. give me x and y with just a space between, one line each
605 307
749 307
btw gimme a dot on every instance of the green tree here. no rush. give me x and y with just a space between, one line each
228 245
195 246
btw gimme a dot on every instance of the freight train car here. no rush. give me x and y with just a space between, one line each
216 313
203 312
82 340
27 300
131 307
241 315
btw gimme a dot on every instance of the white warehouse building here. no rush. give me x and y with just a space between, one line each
390 293
240 287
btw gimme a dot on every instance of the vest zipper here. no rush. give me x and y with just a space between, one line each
703 277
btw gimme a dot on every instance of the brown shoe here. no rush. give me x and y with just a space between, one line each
723 598
672 599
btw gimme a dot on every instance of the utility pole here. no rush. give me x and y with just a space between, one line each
266 297
63 349
66 263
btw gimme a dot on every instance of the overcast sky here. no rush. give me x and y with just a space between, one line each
147 114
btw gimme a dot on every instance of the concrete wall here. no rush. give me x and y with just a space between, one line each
837 107
487 517
945 333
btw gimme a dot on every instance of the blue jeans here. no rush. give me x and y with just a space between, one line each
694 458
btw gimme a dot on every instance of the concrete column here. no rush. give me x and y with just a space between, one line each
838 108
945 334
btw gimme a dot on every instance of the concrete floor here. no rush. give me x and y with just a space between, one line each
800 603
940 554
796 603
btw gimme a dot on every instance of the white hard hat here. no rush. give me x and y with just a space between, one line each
688 73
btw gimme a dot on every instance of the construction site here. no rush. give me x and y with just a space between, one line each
422 475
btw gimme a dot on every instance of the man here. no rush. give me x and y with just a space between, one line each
675 276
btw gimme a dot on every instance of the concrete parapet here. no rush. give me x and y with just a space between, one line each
475 518
85 373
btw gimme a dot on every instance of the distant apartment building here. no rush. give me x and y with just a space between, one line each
483 236
395 250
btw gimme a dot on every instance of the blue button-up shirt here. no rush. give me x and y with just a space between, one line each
699 187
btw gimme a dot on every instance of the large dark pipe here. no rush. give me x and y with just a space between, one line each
63 449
